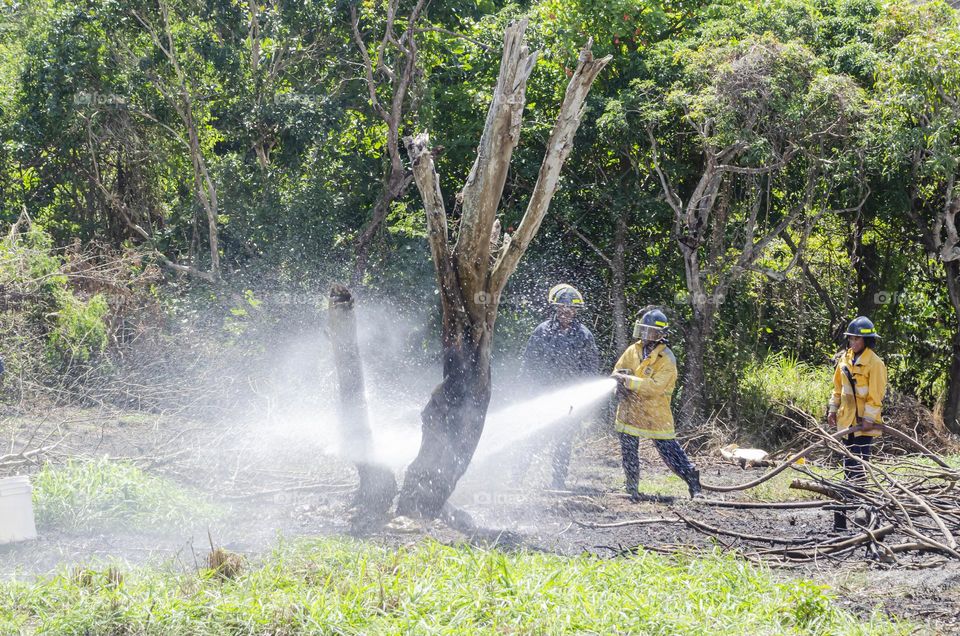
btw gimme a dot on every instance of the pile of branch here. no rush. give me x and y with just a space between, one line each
31 451
915 501
910 505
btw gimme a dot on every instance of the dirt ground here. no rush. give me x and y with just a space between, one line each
274 488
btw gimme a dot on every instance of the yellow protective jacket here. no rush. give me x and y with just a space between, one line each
870 377
645 412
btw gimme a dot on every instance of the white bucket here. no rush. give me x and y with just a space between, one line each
16 510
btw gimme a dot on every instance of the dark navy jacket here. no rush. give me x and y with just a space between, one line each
554 357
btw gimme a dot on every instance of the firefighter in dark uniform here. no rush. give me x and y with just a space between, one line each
561 351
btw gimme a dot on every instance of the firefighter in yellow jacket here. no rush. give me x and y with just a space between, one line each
859 384
647 374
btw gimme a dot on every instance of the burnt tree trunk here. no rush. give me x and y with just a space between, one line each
472 273
951 404
618 284
377 483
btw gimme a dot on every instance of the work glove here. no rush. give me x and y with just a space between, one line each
621 377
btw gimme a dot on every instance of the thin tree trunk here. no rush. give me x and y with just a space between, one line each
694 395
951 405
397 179
618 284
618 278
377 483
693 403
836 320
395 185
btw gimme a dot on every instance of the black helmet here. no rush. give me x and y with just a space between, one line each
651 325
861 326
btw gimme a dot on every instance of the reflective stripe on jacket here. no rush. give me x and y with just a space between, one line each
870 377
645 411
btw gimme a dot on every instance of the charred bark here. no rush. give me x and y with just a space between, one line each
472 273
377 484
618 283
951 404
452 424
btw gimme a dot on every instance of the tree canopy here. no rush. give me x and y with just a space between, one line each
765 171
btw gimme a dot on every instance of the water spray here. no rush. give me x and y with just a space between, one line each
518 422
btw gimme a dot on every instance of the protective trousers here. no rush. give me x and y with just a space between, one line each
670 451
854 472
562 438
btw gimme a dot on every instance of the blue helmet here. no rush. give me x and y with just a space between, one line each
861 326
652 325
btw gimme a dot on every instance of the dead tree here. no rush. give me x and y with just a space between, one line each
377 484
472 273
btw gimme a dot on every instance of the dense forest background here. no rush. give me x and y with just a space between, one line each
181 181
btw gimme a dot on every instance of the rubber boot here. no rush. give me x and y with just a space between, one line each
559 481
839 520
693 485
560 460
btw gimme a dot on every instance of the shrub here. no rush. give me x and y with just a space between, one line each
55 323
79 330
777 390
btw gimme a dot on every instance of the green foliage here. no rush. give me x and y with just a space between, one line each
342 586
73 330
89 496
779 387
79 330
28 260
95 142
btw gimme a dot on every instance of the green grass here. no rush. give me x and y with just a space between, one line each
775 385
84 496
347 587
781 378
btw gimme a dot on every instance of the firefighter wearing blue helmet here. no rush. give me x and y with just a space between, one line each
859 384
647 376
